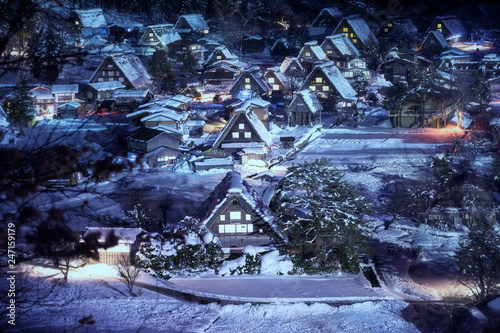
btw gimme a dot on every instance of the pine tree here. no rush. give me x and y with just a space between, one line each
19 106
478 260
48 59
161 70
481 93
360 83
322 218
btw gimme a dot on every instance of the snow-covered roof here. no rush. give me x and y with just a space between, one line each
132 93
168 129
257 125
342 44
162 149
181 99
91 18
314 49
309 99
335 78
282 41
64 88
195 123
360 28
133 69
70 104
256 77
288 62
195 21
259 102
123 235
332 11
215 162
453 25
110 85
437 36
144 134
221 50
161 116
41 94
165 33
232 187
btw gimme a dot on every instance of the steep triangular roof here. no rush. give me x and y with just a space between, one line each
256 80
334 77
360 28
313 49
451 23
290 63
164 33
195 22
309 99
91 18
221 51
257 125
130 66
233 187
341 45
436 35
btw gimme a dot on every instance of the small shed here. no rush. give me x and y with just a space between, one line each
128 242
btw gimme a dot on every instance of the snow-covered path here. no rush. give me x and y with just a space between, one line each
350 286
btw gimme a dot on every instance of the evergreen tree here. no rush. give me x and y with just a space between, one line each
478 260
322 218
48 57
360 83
161 70
393 101
19 106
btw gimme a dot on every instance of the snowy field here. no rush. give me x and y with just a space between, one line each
113 311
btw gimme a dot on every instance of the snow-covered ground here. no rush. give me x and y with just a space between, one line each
114 311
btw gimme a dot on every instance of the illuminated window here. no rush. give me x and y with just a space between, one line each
319 80
326 88
241 228
247 217
276 87
151 35
439 26
229 228
270 80
345 29
348 74
389 25
248 87
354 41
440 31
236 135
347 35
219 57
120 79
241 126
100 79
222 217
249 227
247 80
205 31
77 23
386 30
308 54
248 135
329 51
352 35
235 215
313 88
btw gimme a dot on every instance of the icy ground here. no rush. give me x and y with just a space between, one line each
105 299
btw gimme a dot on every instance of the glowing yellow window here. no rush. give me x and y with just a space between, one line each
345 29
347 35
248 87
386 30
389 25
352 35
77 23
247 80
319 80
354 41
219 57
439 26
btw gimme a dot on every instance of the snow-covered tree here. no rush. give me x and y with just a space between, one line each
161 70
478 260
19 106
481 93
186 248
360 83
322 218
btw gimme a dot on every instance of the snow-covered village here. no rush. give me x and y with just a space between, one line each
250 166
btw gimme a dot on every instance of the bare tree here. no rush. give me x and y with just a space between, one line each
165 205
128 273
